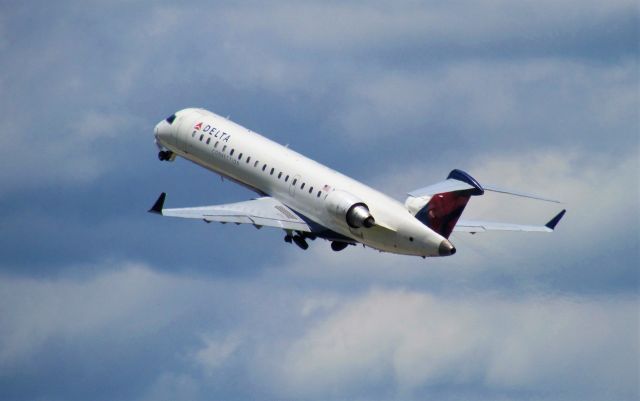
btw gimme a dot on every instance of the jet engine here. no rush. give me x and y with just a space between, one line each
349 209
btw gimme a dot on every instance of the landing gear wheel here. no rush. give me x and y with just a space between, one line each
298 240
164 155
337 246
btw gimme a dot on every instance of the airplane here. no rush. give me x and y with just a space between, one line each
309 200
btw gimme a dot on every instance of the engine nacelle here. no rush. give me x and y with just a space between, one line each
349 209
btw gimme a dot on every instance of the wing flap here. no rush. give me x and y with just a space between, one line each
265 211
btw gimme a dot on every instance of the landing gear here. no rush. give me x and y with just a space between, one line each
296 239
300 242
165 155
337 246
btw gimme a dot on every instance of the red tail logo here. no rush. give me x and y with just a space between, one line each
443 210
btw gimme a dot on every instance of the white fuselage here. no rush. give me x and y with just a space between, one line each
300 183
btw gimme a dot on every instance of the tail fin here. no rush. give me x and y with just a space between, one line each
443 210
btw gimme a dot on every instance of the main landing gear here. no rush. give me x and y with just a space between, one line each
300 238
337 246
166 155
296 239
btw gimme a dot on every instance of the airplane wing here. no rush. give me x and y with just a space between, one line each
474 226
260 212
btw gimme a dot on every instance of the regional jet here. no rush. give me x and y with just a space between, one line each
309 200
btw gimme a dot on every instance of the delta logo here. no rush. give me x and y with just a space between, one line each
198 126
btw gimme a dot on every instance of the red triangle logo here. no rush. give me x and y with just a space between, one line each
198 126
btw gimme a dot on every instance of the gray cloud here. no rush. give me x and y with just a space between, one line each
310 344
418 341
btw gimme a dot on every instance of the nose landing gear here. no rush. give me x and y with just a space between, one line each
166 155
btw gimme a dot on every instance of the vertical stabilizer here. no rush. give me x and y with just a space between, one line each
444 209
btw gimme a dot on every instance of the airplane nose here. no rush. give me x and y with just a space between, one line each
446 248
162 132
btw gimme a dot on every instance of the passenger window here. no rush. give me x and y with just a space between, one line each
248 159
280 175
224 148
302 186
231 153
310 189
286 178
201 136
264 167
240 156
319 192
216 144
193 134
272 169
294 181
256 163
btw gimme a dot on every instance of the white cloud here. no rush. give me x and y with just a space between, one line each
353 26
497 99
131 300
321 344
216 352
287 49
576 347
77 150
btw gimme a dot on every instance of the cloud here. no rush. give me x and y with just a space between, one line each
505 346
348 27
287 55
217 351
77 151
156 334
35 311
481 104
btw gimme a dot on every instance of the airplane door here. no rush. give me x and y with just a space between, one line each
292 187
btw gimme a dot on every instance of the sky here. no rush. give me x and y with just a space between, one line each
101 300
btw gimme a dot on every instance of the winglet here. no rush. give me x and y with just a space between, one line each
157 207
554 221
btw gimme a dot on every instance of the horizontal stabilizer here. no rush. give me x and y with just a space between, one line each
475 226
492 188
457 180
449 185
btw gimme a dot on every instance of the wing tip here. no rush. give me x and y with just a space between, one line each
555 220
159 204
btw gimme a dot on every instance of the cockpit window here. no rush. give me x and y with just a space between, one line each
171 118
